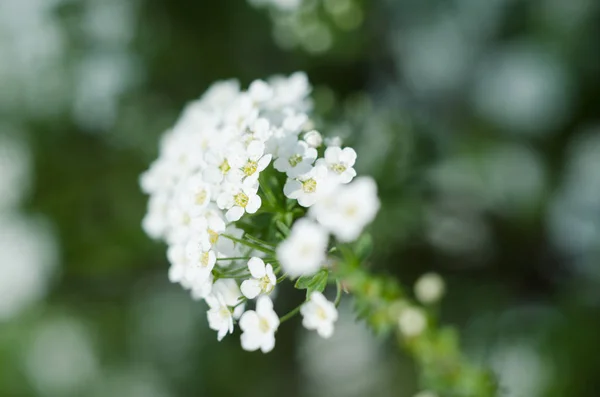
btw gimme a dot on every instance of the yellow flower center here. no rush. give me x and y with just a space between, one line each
339 168
263 325
309 186
204 258
201 197
250 168
265 284
351 210
225 167
213 236
295 160
321 313
224 312
241 199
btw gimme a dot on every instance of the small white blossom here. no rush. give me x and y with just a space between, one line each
347 209
248 165
307 188
429 288
263 279
295 158
412 322
201 261
219 316
304 251
259 326
313 139
228 289
260 91
340 162
319 314
194 195
238 199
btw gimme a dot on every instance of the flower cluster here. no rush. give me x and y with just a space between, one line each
244 191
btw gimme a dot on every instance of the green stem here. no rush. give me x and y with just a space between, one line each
338 296
249 244
291 314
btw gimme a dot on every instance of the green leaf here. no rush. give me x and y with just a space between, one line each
316 282
363 247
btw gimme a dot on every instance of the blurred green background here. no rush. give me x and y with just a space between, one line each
480 121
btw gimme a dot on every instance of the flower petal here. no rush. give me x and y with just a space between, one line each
250 288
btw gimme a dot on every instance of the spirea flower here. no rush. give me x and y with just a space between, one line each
319 314
219 316
231 153
308 187
304 251
263 279
259 326
340 162
347 209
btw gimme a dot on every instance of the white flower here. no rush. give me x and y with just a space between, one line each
259 131
340 162
429 288
347 209
238 199
219 163
295 158
319 314
263 279
313 139
228 289
259 326
251 162
243 113
219 316
201 288
412 322
304 251
155 222
308 187
260 91
194 195
201 260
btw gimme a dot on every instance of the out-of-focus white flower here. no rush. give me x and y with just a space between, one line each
259 326
334 141
340 162
263 279
307 188
295 158
429 288
319 314
304 251
28 257
313 138
347 209
219 316
61 359
412 322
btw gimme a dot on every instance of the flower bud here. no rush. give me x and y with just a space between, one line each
412 322
313 138
429 288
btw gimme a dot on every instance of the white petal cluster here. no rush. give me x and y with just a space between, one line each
207 181
207 173
319 314
259 326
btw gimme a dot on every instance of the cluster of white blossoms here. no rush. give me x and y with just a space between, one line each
237 155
